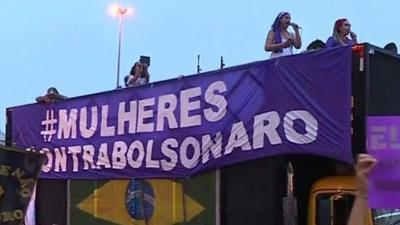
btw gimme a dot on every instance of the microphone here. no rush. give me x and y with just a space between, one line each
294 25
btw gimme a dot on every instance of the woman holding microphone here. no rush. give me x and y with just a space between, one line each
279 40
340 32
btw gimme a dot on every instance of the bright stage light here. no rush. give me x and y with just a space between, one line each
120 12
117 10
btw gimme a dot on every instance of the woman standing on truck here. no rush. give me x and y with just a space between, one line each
139 75
279 40
365 163
339 37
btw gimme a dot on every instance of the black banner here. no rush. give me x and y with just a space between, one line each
18 174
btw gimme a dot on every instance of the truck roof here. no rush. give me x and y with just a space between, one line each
334 183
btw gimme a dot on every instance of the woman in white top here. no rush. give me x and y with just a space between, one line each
279 40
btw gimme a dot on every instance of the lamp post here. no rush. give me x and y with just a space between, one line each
120 12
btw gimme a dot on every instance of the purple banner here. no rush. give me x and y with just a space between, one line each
384 144
176 128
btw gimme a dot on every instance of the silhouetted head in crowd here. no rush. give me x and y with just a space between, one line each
52 90
316 45
391 47
51 96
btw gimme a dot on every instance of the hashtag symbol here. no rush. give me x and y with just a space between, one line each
48 123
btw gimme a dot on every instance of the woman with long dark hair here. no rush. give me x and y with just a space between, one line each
139 75
279 40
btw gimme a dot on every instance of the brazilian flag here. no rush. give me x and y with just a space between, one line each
144 201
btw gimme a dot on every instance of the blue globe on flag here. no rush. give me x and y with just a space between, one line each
139 200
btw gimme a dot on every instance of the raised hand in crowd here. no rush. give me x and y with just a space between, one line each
365 163
364 166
